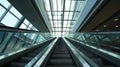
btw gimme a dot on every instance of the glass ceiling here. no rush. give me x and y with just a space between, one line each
63 14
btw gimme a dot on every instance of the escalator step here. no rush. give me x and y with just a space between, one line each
108 66
25 59
61 61
61 66
61 55
16 64
31 54
98 61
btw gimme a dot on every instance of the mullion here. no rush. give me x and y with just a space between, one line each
64 11
69 12
60 27
62 31
51 11
60 20
8 10
57 10
74 10
63 16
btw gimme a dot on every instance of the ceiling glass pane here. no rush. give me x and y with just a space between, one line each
66 17
70 17
64 29
15 12
5 3
51 24
59 24
52 29
26 22
67 29
57 29
59 13
54 3
47 5
60 5
64 23
71 13
55 17
73 5
67 5
55 24
10 20
23 26
54 13
64 14
50 17
30 25
60 29
59 17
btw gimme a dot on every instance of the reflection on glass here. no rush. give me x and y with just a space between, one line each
10 20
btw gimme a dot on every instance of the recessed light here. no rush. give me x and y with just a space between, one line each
105 26
97 29
116 26
116 19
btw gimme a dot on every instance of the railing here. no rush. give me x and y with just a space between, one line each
99 39
112 57
38 60
13 41
82 59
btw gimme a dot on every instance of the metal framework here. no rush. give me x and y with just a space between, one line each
64 14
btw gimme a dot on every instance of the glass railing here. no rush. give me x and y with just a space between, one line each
105 40
13 41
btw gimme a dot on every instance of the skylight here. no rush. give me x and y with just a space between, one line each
63 14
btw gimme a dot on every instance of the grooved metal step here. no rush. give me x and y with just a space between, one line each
61 61
61 66
16 64
60 57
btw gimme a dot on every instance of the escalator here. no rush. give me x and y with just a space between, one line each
99 60
25 58
60 57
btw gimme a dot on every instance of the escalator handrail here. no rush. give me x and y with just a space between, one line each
77 53
115 57
39 59
6 57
